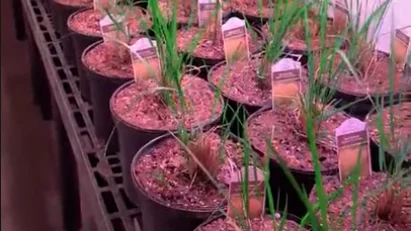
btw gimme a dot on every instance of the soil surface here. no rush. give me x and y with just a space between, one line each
370 195
265 224
241 83
401 126
207 48
149 112
252 8
290 142
110 60
295 39
75 2
164 174
385 226
183 15
87 22
377 81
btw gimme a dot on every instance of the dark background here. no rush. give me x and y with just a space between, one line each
29 196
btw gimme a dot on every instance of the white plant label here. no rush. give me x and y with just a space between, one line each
103 5
235 39
113 31
256 193
206 10
353 147
148 64
285 80
402 47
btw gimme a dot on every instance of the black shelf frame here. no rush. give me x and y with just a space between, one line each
83 162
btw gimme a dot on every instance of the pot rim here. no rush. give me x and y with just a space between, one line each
214 119
247 105
290 217
217 61
70 18
144 150
387 104
373 95
327 172
88 49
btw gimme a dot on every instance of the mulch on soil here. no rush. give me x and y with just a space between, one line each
163 173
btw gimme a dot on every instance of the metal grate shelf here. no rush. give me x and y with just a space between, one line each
100 172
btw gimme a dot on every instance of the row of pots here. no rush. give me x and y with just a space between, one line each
372 194
131 138
176 216
77 42
89 76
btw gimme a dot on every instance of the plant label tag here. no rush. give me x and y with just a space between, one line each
256 193
113 30
206 11
353 147
285 80
145 59
235 39
341 13
402 47
103 5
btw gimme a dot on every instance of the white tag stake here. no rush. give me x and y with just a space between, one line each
353 147
148 64
205 11
402 47
256 193
113 31
235 39
285 80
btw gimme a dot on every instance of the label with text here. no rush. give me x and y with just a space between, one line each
353 148
207 12
112 31
145 59
256 194
402 47
235 39
285 80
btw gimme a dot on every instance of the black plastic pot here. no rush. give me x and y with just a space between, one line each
364 106
141 3
303 53
172 219
289 216
238 112
131 138
60 13
101 89
252 19
279 181
205 64
388 155
80 43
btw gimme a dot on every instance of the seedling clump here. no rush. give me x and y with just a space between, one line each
202 154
